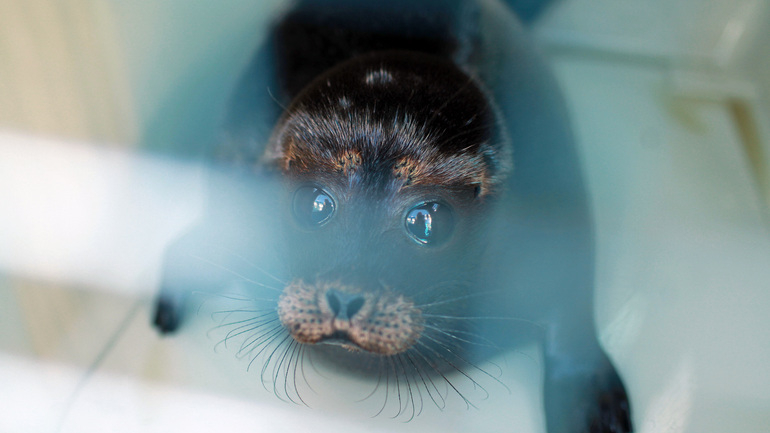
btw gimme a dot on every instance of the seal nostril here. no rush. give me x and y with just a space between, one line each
344 305
354 305
334 301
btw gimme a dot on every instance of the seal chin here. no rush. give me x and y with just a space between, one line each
383 322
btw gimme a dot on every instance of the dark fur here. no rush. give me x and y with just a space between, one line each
389 106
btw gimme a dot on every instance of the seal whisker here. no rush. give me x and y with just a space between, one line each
387 385
452 364
210 297
460 339
253 265
449 333
299 363
471 336
315 367
264 339
245 326
411 392
377 385
303 355
459 298
292 365
277 370
468 403
408 394
267 364
255 340
278 103
512 319
241 276
262 312
398 386
243 299
476 367
269 360
444 284
425 385
422 401
296 349
290 385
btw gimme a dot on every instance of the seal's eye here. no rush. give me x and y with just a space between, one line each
312 206
430 223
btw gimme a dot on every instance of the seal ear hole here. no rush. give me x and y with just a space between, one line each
476 191
430 223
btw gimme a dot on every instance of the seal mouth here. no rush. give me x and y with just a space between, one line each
341 336
341 339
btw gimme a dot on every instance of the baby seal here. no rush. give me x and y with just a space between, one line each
426 190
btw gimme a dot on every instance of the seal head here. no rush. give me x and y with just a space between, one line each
389 160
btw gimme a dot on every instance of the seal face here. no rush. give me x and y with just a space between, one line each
388 160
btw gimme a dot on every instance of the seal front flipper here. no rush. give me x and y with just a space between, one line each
183 275
233 243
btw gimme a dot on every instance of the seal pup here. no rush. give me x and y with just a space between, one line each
426 196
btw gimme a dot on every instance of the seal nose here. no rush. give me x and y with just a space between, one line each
344 305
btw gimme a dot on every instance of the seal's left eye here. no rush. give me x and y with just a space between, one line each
312 206
430 223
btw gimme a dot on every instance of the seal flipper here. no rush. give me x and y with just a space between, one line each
614 411
183 275
584 394
168 311
235 241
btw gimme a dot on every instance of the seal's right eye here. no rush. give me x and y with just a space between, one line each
312 206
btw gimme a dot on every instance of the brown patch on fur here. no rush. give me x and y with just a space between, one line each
406 169
420 119
421 163
387 323
348 162
306 159
467 170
